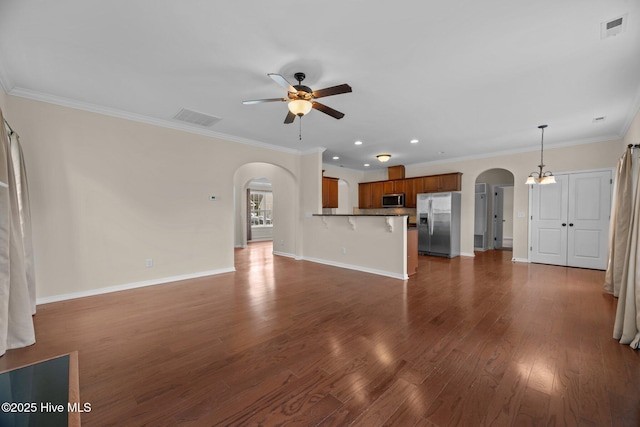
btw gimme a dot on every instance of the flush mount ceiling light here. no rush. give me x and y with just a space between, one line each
358 143
383 157
541 177
414 141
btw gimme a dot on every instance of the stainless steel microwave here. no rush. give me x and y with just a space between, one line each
393 200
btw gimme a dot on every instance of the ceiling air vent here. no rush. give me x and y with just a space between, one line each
196 118
613 27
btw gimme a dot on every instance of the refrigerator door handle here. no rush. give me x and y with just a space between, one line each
430 216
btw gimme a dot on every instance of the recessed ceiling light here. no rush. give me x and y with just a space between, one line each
366 165
336 158
414 141
358 143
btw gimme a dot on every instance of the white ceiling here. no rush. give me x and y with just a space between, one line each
464 77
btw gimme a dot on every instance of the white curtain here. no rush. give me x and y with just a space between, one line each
17 284
622 278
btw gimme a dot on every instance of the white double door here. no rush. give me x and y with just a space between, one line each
569 220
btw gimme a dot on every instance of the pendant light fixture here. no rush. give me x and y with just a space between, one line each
541 177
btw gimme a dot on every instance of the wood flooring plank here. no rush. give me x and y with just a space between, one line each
533 408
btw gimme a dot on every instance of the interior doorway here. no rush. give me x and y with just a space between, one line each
503 217
493 225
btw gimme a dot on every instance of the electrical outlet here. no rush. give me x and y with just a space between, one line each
344 251
148 262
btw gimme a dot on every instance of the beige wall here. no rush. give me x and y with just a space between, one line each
108 193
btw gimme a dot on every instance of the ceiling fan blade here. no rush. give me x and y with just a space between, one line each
260 101
282 82
328 110
290 118
334 90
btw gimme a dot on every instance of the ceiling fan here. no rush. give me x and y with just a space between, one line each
301 99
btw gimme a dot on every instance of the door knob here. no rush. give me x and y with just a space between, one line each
564 224
570 224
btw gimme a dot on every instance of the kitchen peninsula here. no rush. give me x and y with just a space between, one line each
375 243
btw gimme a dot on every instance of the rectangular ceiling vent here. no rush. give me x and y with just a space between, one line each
196 118
613 27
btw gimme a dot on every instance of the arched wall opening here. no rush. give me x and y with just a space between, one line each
285 214
494 210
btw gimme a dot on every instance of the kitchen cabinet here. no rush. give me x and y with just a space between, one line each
399 186
441 183
329 192
395 172
364 195
377 190
412 187
370 193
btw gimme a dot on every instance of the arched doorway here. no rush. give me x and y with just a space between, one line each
493 222
282 220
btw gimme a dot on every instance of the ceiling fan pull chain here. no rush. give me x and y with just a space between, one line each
300 132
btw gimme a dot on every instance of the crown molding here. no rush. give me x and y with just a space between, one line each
112 112
519 151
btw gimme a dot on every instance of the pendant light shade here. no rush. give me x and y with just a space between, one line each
300 107
541 177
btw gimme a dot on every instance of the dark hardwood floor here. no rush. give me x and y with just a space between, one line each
468 341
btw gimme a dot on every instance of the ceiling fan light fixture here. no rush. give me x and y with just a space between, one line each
383 157
300 107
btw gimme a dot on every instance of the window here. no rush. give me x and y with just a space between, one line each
261 208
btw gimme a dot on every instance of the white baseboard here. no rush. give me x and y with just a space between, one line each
285 254
514 259
358 268
126 286
467 254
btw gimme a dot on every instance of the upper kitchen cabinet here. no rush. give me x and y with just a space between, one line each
329 192
370 193
377 190
364 195
440 183
395 172
412 187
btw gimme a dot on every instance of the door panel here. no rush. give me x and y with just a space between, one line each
589 210
549 212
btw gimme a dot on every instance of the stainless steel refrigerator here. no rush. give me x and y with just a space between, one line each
438 221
